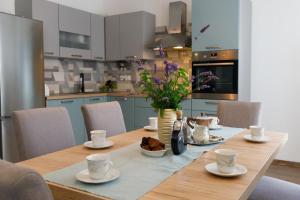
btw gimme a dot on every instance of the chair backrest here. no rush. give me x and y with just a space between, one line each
104 116
43 130
17 182
239 114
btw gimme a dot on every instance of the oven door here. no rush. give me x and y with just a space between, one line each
223 86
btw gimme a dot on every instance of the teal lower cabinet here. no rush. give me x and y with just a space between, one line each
73 107
141 116
142 111
127 105
187 107
209 107
187 113
92 100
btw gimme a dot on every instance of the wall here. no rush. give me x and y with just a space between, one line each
110 7
276 68
7 6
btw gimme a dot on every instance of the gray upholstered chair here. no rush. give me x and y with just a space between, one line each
43 130
243 115
274 189
19 183
239 114
104 116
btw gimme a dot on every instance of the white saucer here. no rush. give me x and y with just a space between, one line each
89 144
217 127
239 170
149 128
258 140
111 175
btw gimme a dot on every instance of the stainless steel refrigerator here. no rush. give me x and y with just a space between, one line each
21 74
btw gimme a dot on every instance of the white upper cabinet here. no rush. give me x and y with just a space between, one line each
47 12
97 37
74 21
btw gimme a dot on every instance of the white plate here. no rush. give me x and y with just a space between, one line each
239 170
149 128
258 140
111 175
160 153
218 127
89 144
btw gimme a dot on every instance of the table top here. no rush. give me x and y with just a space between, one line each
191 182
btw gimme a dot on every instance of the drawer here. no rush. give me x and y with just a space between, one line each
142 102
196 113
205 105
93 100
186 104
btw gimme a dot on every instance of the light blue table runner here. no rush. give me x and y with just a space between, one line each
139 173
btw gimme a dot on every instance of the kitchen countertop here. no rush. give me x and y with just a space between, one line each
87 95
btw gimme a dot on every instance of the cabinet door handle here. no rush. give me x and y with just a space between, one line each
131 57
95 99
4 118
121 99
213 47
211 103
77 56
67 101
49 53
99 58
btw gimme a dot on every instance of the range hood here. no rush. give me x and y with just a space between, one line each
174 36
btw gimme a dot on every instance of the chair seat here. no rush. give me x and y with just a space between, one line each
274 189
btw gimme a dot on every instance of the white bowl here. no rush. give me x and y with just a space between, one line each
159 153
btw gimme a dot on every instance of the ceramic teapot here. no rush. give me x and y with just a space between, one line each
203 120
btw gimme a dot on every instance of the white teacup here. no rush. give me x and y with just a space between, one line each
98 137
153 122
98 165
226 160
257 132
214 122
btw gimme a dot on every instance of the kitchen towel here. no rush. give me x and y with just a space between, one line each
139 173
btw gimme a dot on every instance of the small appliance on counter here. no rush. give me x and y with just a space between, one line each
178 137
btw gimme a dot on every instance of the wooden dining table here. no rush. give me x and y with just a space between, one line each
191 182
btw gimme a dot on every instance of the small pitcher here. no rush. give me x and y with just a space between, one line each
201 134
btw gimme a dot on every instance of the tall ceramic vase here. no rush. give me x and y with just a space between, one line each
165 126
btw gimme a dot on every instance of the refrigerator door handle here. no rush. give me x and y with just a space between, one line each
2 118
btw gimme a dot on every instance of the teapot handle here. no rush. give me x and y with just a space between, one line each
189 120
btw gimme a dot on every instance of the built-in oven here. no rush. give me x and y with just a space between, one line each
215 75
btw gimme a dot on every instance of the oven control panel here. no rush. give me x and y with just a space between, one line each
215 55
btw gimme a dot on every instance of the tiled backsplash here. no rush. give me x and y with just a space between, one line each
62 75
